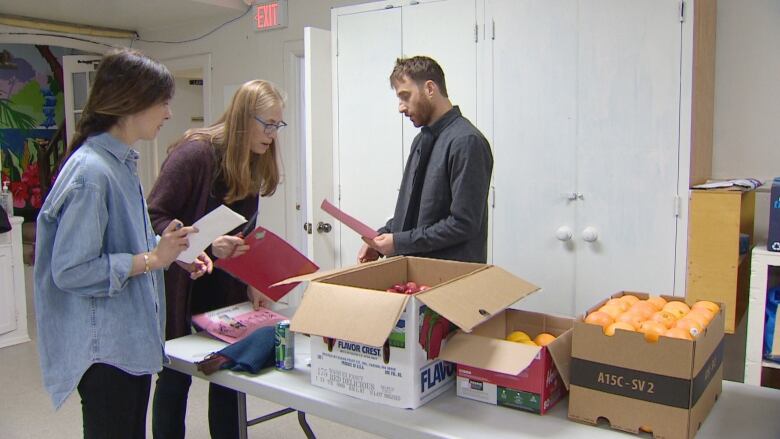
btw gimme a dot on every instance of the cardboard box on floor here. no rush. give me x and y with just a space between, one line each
500 372
669 386
352 307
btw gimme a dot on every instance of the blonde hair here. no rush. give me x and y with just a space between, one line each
244 173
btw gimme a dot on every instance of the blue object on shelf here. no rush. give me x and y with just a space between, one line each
744 243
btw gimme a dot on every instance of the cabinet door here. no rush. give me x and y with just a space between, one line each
444 31
7 291
627 146
534 121
368 125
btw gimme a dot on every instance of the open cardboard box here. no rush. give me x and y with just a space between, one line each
669 386
500 372
351 307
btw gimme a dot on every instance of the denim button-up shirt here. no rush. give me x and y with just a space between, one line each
88 308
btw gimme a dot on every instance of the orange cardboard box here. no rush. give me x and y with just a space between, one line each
669 386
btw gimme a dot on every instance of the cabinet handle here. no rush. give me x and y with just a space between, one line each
564 233
590 234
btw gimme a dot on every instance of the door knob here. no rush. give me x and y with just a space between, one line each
307 228
590 234
563 233
323 227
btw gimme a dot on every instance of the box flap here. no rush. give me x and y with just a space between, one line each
560 351
472 299
488 353
322 274
346 313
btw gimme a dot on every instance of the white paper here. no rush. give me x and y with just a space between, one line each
217 223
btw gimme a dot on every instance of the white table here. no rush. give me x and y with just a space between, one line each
760 262
741 411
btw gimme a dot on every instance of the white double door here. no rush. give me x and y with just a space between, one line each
371 139
586 108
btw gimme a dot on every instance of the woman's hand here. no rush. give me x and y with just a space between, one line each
199 266
173 241
228 246
258 299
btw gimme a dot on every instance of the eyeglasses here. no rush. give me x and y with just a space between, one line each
270 128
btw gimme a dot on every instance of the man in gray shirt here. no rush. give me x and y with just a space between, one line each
441 211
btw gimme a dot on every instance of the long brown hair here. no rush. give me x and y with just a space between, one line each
126 82
243 172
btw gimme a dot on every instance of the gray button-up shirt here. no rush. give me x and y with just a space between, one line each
453 219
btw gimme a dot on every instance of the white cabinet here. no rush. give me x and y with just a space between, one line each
371 139
599 113
13 302
590 155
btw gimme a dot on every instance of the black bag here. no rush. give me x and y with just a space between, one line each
5 224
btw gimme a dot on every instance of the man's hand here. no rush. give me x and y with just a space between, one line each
367 254
382 244
200 266
227 246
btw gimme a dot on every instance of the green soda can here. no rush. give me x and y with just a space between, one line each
284 343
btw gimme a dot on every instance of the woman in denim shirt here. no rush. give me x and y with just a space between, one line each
99 298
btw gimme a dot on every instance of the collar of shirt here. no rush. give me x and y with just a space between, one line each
121 151
444 121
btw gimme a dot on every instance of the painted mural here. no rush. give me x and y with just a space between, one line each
31 114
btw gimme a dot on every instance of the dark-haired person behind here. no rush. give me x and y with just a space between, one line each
442 210
99 299
232 162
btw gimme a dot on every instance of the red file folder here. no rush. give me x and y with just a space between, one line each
270 259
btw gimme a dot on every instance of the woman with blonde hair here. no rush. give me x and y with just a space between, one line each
99 299
232 162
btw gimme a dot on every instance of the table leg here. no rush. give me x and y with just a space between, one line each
242 425
305 425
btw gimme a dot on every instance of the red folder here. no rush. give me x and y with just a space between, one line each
270 259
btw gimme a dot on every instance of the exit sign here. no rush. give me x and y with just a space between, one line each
271 15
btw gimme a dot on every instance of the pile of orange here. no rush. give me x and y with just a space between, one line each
542 339
654 317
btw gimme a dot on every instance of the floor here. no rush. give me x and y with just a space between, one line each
26 410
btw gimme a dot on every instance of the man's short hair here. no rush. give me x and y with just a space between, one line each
419 69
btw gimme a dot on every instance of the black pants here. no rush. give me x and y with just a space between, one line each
169 407
113 403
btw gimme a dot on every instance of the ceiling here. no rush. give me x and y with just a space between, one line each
137 15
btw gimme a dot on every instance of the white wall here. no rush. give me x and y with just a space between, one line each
187 104
747 96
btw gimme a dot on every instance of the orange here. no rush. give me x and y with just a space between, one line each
528 342
631 318
657 301
518 336
610 330
712 306
699 316
613 310
599 318
652 330
643 308
689 325
678 333
704 312
678 308
646 429
664 317
622 304
631 299
544 339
